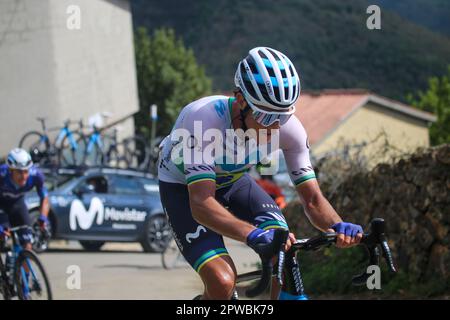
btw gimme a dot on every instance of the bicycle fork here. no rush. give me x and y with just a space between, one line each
292 288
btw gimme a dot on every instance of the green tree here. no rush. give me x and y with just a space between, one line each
436 100
168 76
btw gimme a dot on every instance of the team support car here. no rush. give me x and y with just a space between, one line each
105 205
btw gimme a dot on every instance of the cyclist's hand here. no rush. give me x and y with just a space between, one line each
349 234
261 241
2 231
43 221
291 240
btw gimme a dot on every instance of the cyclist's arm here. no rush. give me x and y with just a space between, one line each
321 214
317 208
207 211
295 146
42 192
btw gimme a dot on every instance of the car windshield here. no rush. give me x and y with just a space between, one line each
150 185
62 182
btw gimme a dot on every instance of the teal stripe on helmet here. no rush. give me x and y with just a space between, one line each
268 64
259 79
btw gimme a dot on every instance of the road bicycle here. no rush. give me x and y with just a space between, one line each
172 258
137 152
115 154
74 148
64 150
21 272
287 271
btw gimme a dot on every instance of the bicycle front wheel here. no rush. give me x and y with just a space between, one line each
137 152
37 145
72 150
30 278
172 257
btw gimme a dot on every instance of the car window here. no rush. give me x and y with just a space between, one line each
126 185
97 184
149 185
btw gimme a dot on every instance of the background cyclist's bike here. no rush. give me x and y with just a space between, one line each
21 273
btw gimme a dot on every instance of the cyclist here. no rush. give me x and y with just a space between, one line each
208 197
17 177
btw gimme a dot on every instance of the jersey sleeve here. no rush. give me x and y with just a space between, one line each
198 161
39 184
295 146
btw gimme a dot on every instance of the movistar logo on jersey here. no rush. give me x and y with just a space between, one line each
196 234
81 218
220 108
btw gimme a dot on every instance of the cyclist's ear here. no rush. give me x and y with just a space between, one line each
241 101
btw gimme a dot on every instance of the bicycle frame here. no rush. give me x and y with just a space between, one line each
65 131
292 288
16 250
94 139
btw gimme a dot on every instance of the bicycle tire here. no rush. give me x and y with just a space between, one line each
36 145
67 155
137 152
5 287
172 258
23 256
116 158
95 157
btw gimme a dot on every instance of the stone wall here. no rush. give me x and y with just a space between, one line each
412 195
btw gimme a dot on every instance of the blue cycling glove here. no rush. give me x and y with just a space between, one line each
2 230
349 229
43 220
261 241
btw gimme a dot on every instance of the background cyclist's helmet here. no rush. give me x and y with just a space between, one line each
19 159
268 78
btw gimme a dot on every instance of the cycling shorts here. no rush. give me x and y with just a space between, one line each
198 244
15 213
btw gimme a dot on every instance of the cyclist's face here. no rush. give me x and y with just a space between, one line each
20 177
253 124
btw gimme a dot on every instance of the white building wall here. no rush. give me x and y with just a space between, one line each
48 70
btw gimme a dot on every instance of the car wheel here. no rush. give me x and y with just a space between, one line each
91 246
157 234
41 238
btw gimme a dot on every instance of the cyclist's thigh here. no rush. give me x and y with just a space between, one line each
249 202
198 244
18 215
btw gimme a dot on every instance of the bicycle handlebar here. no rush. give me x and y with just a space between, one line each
371 241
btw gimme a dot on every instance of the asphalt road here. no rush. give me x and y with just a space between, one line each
123 271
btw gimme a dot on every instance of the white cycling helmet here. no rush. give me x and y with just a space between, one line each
268 78
19 159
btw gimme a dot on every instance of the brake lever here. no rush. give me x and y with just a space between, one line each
388 256
374 259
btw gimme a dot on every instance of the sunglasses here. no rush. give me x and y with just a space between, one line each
267 119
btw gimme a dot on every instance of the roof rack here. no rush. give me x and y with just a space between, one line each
85 170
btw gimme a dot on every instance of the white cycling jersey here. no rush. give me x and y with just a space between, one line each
215 112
